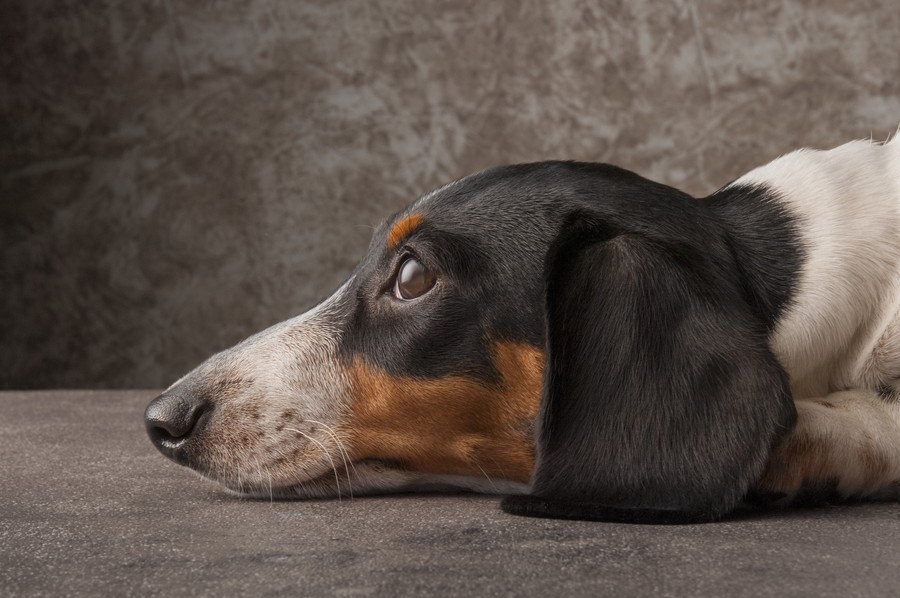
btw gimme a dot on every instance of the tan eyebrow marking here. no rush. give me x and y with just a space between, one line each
402 229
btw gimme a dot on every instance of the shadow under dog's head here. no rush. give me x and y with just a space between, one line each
566 329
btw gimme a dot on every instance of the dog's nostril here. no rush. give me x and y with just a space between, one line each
172 418
160 434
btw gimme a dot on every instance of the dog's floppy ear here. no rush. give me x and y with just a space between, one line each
661 399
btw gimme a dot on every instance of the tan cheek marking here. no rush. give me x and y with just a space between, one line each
451 425
402 229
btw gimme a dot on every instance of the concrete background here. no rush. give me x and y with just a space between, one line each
175 175
89 508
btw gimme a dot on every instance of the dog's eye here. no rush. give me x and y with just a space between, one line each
413 280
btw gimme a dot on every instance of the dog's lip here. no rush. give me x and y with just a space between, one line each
286 490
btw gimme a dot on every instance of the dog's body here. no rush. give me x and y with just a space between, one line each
667 355
840 339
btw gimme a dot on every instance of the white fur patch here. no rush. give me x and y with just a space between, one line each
842 330
847 202
277 397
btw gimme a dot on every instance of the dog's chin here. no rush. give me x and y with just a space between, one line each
370 477
358 478
311 489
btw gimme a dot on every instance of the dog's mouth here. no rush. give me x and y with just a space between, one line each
340 481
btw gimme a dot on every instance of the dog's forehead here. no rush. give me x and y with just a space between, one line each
492 201
495 189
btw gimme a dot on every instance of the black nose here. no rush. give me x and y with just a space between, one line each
172 419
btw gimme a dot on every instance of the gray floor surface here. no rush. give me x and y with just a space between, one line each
87 506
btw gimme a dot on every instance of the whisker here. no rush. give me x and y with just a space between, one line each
259 470
493 485
500 467
327 454
344 454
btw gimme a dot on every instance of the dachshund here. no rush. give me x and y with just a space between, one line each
590 343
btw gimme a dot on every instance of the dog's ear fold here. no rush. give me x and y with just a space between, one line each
661 399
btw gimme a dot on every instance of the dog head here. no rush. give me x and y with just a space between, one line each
616 299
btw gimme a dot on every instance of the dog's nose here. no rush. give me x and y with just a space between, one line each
172 419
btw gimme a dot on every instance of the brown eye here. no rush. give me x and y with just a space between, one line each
413 280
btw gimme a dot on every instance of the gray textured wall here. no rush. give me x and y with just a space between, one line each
178 174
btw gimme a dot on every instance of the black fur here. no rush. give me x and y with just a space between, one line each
661 399
816 493
765 241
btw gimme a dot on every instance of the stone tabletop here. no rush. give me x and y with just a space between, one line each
87 506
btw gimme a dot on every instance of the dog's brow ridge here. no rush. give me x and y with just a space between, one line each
402 229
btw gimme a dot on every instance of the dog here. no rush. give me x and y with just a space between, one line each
590 343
